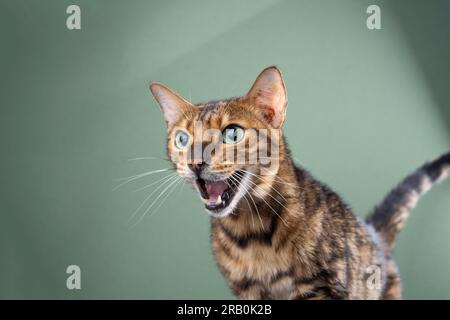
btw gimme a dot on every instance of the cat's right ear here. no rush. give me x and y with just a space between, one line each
170 103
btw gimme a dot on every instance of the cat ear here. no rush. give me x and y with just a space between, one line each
269 94
171 104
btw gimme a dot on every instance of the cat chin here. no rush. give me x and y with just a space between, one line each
228 210
222 214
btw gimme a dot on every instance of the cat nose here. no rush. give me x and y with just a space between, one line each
196 167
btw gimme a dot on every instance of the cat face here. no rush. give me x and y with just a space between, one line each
226 149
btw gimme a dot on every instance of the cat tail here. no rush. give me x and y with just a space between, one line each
389 217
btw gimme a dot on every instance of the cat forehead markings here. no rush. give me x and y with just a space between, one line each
212 107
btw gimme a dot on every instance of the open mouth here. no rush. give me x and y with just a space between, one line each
218 195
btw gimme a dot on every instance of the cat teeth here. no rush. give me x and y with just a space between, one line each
218 201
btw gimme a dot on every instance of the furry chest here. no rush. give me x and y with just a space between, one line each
255 263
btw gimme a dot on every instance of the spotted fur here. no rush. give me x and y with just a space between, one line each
287 235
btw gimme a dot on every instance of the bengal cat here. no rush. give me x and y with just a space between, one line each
276 232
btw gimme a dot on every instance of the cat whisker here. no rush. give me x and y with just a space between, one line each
276 178
155 182
256 207
262 198
245 198
251 211
274 189
148 158
167 195
155 200
169 179
246 189
138 176
182 186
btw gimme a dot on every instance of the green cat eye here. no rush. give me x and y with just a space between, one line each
181 139
232 134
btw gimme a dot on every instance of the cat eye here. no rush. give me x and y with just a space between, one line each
232 134
181 139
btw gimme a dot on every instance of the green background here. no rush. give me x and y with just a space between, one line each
365 109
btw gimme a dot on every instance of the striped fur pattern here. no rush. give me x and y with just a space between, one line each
389 217
286 235
313 248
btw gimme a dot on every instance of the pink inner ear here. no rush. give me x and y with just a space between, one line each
171 104
273 104
268 94
269 113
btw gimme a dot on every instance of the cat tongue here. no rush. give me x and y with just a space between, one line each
215 189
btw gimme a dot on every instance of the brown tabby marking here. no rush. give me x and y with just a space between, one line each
290 236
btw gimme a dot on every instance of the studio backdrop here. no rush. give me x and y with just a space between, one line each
366 107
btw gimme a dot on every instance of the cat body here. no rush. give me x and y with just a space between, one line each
314 248
280 233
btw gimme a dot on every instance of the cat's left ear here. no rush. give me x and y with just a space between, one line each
269 94
172 105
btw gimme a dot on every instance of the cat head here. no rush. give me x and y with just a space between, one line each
227 149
